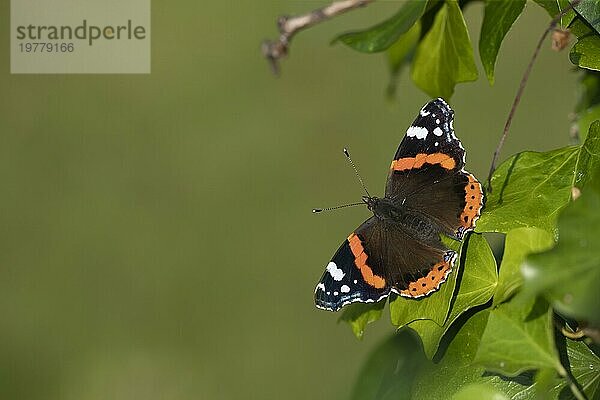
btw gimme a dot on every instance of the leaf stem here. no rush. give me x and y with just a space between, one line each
522 85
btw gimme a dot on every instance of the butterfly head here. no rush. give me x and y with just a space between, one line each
371 202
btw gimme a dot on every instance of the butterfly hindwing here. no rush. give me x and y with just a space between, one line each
411 256
381 257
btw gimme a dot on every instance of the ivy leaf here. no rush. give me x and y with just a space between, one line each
518 338
444 57
383 35
548 384
456 369
519 243
400 53
476 287
590 11
530 188
588 102
480 391
569 274
551 6
359 315
390 369
398 370
584 365
498 19
588 91
434 307
554 7
589 159
586 52
586 118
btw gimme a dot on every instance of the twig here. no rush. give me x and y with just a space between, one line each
289 26
522 85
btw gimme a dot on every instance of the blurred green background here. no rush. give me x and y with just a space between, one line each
156 235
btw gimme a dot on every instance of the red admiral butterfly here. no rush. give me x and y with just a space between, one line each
399 248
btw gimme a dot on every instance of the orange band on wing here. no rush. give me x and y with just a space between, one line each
430 282
403 164
360 259
473 200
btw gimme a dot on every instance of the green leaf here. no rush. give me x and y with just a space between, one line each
586 118
589 160
400 54
498 19
383 35
444 56
434 307
585 367
588 91
476 287
588 101
456 369
398 370
519 243
530 188
590 11
390 369
586 52
518 338
554 7
443 380
569 274
359 315
549 5
480 391
548 384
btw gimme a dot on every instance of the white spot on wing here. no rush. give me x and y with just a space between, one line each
438 132
417 131
336 273
436 143
355 281
320 286
424 113
335 293
345 289
437 121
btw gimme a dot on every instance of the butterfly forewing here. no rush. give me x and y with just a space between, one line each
427 174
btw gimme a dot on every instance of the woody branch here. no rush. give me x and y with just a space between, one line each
275 50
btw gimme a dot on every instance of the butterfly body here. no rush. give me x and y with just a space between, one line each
392 215
399 249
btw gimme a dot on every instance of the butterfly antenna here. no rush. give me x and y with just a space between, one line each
318 210
356 171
